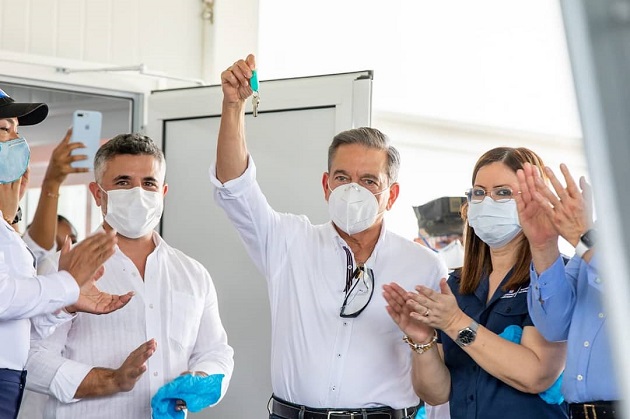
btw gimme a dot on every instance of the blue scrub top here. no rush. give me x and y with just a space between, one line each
475 394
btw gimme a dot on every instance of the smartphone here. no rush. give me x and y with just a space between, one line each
86 129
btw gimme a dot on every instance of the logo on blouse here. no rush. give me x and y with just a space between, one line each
512 293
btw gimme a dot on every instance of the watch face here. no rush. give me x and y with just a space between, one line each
588 238
466 336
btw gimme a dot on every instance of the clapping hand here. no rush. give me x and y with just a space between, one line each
84 262
401 312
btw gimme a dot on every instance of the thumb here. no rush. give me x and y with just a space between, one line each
444 287
99 273
65 248
251 61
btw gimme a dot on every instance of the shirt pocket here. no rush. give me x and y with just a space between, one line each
185 318
508 312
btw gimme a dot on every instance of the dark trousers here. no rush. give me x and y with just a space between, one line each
11 390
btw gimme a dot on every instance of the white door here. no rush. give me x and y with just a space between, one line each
289 142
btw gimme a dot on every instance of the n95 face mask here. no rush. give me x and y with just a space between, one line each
352 208
133 212
495 223
14 158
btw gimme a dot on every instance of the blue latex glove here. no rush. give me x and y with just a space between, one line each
552 395
422 413
197 391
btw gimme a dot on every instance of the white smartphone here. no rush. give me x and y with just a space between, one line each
86 129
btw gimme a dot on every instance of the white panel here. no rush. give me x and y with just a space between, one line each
236 24
124 36
14 25
289 141
70 29
193 223
173 42
97 31
43 27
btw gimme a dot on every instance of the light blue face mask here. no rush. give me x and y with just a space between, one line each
14 158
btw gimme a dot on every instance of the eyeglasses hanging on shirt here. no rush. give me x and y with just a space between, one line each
359 288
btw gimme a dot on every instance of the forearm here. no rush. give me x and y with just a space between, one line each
430 378
532 373
98 382
544 256
44 226
231 146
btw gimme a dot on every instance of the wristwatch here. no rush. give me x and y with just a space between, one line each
467 335
587 241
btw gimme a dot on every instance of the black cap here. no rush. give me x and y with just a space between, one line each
26 113
442 216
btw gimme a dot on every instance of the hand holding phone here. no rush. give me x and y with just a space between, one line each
86 129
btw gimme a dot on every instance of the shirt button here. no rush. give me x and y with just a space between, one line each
471 397
579 377
333 388
150 305
338 355
597 280
134 274
345 323
586 344
155 374
600 315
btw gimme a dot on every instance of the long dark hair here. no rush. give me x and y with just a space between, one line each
477 261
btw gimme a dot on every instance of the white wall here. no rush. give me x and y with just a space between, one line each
164 35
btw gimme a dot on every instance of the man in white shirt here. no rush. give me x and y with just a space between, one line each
30 304
95 366
334 346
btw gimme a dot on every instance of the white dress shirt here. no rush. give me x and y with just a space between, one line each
39 252
176 304
318 358
27 299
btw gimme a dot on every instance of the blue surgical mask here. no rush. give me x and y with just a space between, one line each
495 223
14 158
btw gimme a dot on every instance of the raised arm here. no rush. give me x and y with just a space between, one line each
534 217
231 146
570 208
43 229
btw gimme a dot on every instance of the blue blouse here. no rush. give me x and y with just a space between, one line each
475 394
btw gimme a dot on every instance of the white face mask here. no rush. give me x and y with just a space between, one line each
453 254
496 223
353 208
133 212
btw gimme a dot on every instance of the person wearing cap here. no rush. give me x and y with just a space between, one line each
30 304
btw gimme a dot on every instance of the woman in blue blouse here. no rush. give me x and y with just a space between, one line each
490 362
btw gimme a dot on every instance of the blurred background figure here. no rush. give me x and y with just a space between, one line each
441 228
65 229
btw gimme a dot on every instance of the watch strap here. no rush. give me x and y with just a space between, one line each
472 329
585 243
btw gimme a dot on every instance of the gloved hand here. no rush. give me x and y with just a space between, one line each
197 391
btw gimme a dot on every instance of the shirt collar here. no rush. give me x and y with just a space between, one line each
339 243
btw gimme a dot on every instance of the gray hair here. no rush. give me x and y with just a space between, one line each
371 138
133 144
